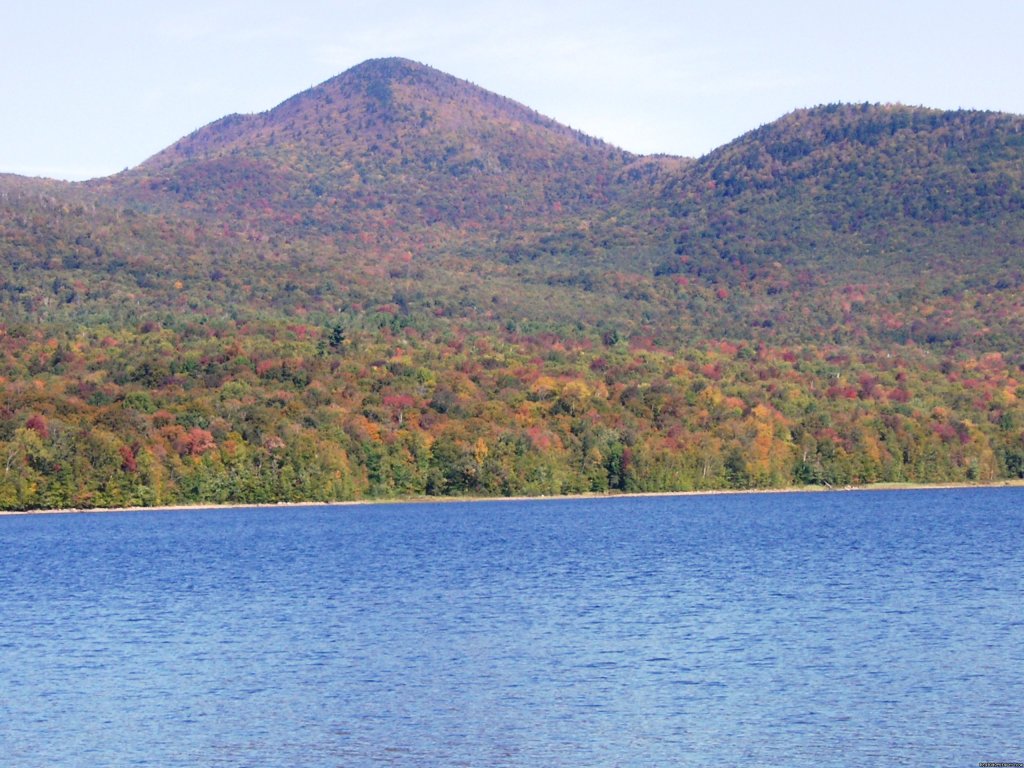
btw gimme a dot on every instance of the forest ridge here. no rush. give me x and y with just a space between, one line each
397 283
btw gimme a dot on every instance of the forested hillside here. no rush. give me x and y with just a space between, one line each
890 224
397 283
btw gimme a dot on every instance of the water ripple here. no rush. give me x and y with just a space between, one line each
853 628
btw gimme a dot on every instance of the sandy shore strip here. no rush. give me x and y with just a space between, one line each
1019 483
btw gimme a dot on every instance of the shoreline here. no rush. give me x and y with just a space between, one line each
568 497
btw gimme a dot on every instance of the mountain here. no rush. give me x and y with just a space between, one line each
398 283
890 223
389 142
393 165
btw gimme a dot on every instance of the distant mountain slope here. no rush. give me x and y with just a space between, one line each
397 283
394 175
388 144
913 216
394 183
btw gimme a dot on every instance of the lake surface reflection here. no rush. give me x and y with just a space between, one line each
858 628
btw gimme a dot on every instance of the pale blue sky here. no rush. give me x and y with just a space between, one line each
89 88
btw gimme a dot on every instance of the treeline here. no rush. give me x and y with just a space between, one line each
218 412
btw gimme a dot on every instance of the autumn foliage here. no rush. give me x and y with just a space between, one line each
398 284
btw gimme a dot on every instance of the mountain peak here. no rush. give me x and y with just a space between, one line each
392 67
380 100
391 129
376 74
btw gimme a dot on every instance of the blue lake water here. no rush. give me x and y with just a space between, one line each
854 629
